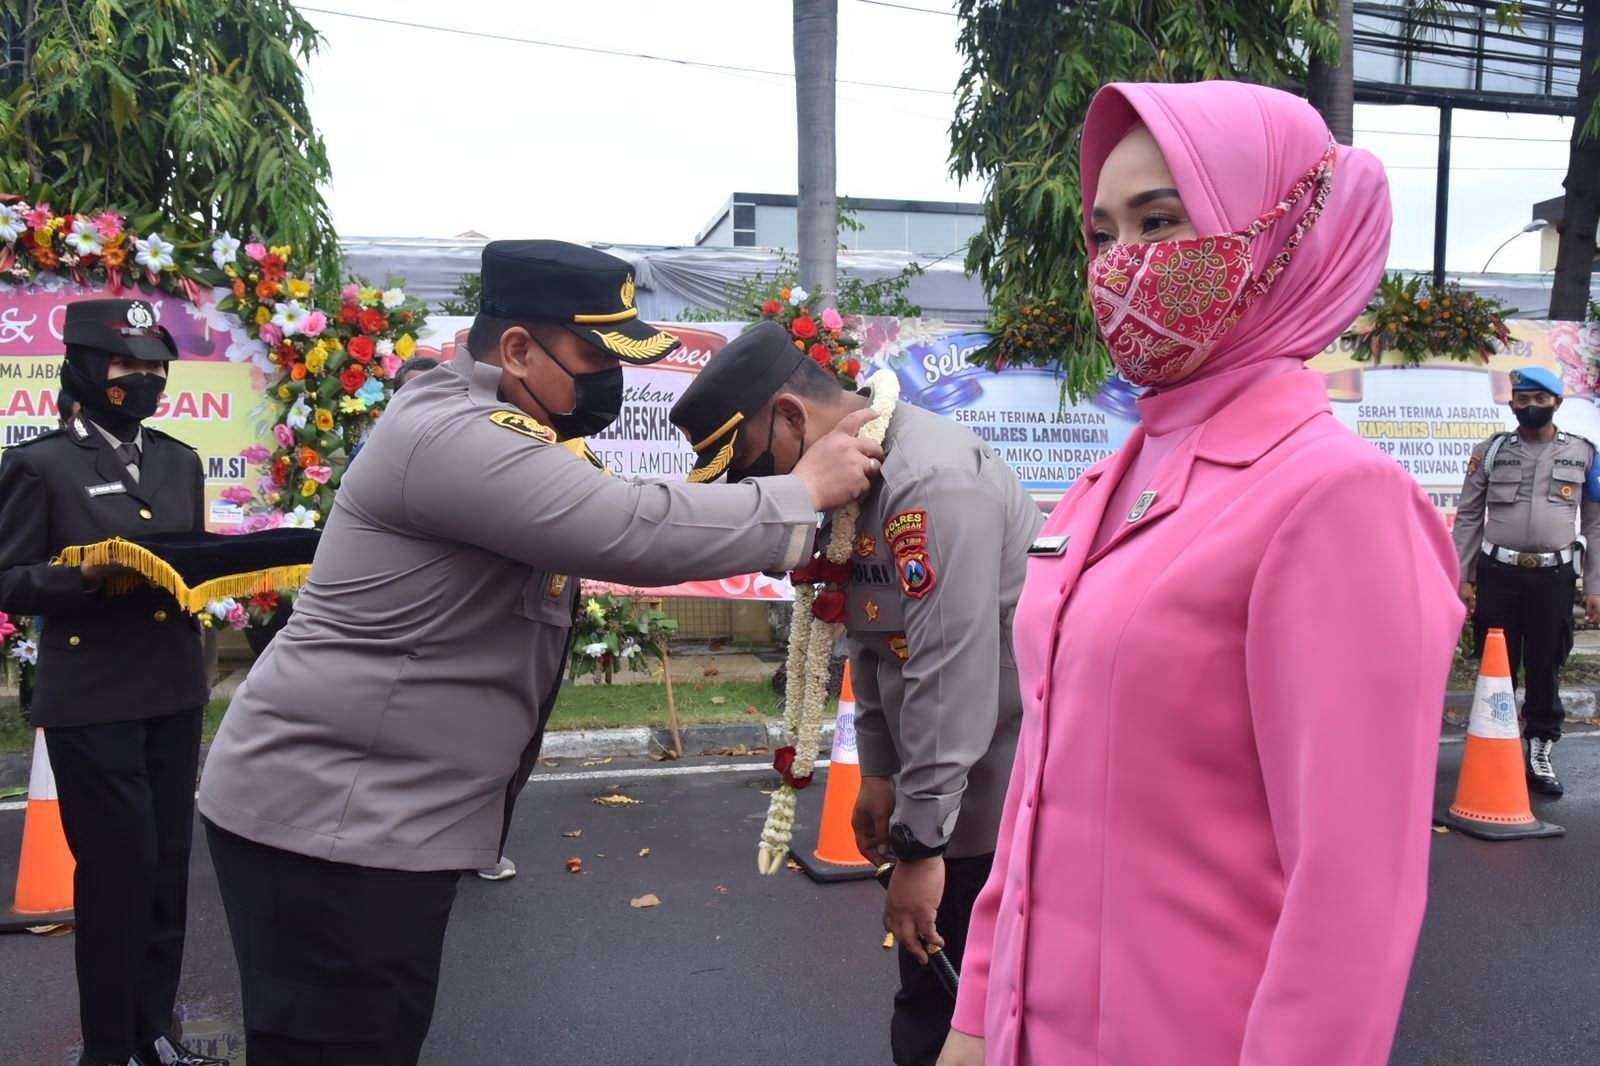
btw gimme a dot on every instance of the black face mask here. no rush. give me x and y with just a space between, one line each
118 404
763 465
596 402
1534 417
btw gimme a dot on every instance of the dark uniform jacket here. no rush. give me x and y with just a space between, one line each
102 657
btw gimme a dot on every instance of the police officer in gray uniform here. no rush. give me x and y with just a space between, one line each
940 557
1525 495
370 755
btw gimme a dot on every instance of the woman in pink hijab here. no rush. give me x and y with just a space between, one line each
1234 648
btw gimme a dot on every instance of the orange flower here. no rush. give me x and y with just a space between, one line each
46 256
266 290
308 457
238 288
114 256
298 371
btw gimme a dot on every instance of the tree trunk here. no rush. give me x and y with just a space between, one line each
1569 301
816 49
1331 85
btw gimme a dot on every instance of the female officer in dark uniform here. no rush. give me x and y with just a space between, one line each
121 682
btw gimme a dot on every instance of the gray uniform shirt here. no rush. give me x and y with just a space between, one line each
940 558
1532 501
382 725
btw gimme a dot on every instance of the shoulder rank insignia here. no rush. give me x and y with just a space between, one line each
517 422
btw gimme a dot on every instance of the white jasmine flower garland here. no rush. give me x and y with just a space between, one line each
810 650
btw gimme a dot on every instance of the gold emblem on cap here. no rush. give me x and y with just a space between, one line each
627 291
629 348
521 423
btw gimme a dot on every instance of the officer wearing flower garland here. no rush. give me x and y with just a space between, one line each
121 682
374 750
1526 494
939 560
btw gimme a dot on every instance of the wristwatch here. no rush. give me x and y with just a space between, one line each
908 848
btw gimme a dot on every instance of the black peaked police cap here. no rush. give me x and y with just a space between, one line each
119 327
588 292
736 383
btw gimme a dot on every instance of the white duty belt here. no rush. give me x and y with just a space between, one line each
1529 560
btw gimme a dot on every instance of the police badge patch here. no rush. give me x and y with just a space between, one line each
116 395
907 533
517 422
1474 465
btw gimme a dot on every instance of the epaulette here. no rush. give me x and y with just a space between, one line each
168 436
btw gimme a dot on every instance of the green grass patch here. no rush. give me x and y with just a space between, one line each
621 706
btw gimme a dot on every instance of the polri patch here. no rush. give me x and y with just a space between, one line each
518 422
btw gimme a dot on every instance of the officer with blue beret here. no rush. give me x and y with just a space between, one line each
1526 494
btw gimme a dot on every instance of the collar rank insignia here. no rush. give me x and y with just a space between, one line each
1142 508
517 422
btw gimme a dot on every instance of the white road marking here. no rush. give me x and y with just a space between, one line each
720 768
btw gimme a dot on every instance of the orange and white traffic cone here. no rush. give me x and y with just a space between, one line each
1492 793
836 857
44 875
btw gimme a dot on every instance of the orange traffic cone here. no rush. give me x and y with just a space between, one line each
836 857
44 875
1492 793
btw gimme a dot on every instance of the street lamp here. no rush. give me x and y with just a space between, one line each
1533 227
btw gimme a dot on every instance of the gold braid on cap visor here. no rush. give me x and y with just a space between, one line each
719 462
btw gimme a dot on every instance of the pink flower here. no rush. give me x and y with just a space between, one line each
266 487
351 294
319 474
255 455
238 495
256 250
265 520
391 365
271 335
284 434
109 223
314 324
238 617
38 217
6 626
832 319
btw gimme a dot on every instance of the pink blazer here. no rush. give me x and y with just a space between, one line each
1215 843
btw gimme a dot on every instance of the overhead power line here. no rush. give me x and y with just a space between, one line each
615 52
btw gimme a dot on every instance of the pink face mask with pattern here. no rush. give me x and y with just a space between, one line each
1163 306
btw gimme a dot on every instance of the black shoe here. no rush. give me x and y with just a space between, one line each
164 1051
1541 773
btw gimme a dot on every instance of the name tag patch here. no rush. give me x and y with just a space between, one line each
1049 546
107 489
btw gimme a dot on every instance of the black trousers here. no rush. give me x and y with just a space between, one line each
127 805
922 1007
338 964
1534 607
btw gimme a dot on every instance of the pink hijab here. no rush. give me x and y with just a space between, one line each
1235 151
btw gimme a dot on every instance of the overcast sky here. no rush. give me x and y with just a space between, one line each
433 133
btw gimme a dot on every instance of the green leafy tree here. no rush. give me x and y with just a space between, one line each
466 298
192 108
1031 68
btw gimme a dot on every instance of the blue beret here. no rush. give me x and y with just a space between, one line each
1535 379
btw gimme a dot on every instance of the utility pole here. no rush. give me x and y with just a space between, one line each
816 59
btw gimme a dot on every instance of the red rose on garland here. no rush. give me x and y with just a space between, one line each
853 368
829 606
373 320
821 356
783 762
353 378
347 315
361 349
804 327
771 307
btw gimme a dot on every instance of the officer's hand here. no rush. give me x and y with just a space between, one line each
961 1049
1591 610
913 904
841 466
1469 595
870 819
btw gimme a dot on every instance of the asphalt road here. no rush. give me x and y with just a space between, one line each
735 969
